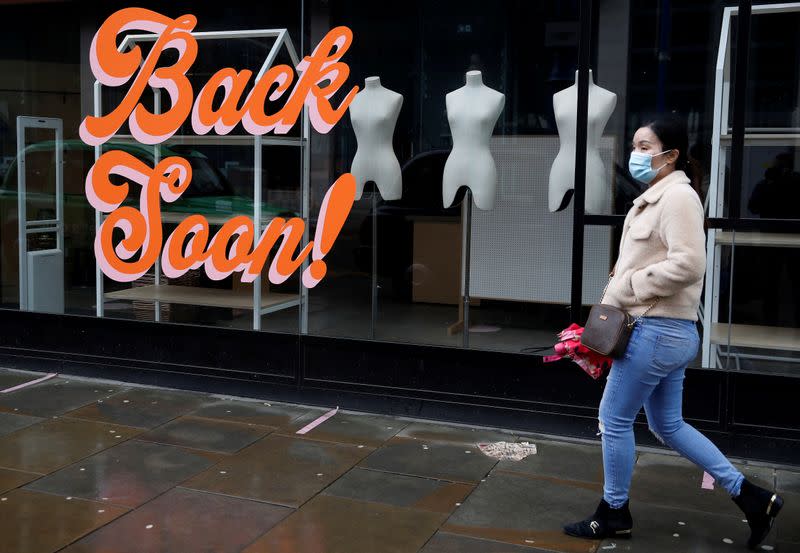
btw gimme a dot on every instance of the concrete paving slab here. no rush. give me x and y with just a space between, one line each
144 408
261 413
526 511
129 474
441 460
207 434
443 542
33 522
338 525
11 422
561 460
55 397
358 429
280 470
185 521
51 445
400 490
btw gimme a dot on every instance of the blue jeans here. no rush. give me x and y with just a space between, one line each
651 373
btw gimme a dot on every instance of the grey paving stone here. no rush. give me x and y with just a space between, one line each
787 524
33 522
443 542
207 434
338 525
141 407
787 481
55 397
442 460
526 511
249 412
359 429
11 422
10 378
400 490
129 474
280 469
672 481
660 529
560 460
185 521
51 445
430 432
11 479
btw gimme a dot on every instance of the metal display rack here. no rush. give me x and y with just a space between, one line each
191 295
717 335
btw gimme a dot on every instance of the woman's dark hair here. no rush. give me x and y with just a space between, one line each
672 132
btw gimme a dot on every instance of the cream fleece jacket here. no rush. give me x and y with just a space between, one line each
662 253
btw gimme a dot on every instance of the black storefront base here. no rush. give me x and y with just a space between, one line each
748 415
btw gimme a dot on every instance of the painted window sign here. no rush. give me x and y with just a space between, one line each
234 248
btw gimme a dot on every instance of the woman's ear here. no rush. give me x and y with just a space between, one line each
673 156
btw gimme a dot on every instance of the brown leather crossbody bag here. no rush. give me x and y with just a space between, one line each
608 329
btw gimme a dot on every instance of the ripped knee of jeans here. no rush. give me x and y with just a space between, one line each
601 427
657 435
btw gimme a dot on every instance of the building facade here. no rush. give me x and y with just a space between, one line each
436 302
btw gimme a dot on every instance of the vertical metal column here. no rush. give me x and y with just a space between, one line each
156 161
257 161
466 239
374 261
739 106
98 217
579 198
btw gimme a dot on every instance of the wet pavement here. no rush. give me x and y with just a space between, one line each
91 466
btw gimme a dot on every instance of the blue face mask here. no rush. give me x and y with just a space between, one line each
641 166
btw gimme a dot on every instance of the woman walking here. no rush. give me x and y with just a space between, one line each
660 272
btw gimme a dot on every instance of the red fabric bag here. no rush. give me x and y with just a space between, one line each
569 346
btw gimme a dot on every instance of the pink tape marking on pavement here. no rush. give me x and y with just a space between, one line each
708 482
313 424
26 384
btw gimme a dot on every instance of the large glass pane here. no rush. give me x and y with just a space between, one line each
659 57
40 78
773 77
48 76
756 319
771 168
524 50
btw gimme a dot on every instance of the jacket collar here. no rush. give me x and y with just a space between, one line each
654 193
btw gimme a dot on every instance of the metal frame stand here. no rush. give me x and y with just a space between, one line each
721 136
282 39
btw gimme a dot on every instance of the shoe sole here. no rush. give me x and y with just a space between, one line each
621 534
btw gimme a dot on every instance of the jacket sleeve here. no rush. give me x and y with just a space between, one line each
681 229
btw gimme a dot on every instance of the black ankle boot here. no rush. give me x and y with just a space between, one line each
604 523
760 506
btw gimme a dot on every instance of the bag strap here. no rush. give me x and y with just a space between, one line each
637 319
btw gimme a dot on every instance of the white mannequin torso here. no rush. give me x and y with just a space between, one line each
562 174
472 112
374 113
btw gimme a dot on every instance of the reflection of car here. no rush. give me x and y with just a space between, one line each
209 194
422 197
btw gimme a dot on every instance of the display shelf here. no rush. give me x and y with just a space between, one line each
753 336
208 297
717 334
765 139
175 217
776 240
219 140
216 215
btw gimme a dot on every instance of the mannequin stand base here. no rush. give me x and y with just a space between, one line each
458 326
